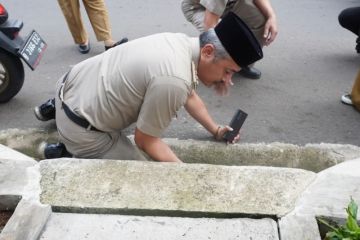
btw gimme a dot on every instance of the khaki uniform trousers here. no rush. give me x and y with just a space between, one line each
355 93
84 143
97 13
245 9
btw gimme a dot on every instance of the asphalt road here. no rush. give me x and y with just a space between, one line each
297 100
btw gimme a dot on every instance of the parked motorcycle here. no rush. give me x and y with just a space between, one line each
13 48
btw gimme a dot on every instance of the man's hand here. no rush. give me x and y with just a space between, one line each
222 130
270 31
196 108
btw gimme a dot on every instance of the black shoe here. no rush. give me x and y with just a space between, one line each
357 45
45 111
250 72
124 40
84 48
54 150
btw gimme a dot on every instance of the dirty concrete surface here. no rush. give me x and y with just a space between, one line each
305 71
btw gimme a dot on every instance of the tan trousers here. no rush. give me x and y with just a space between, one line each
83 143
355 93
97 13
245 9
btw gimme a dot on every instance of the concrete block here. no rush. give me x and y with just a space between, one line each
330 193
65 226
19 177
130 187
299 227
27 221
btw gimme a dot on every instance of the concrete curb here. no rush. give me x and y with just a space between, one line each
312 157
326 194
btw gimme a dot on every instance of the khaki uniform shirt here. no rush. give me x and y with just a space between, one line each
144 81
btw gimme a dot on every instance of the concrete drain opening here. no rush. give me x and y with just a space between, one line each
8 204
312 157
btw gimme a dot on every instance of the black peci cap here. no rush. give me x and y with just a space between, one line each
238 40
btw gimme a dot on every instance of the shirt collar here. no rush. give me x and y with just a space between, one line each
195 49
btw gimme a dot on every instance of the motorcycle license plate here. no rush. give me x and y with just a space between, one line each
33 49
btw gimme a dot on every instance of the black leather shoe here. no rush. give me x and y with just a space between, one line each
124 40
84 48
45 111
357 45
250 72
55 150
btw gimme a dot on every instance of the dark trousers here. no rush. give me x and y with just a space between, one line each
349 18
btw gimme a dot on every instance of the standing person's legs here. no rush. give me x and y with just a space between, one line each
255 20
99 18
71 12
252 16
355 93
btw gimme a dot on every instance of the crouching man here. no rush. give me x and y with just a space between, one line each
145 81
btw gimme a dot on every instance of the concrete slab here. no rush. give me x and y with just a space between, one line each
19 177
299 227
330 193
65 226
27 221
129 187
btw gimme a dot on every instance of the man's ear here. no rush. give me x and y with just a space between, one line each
208 51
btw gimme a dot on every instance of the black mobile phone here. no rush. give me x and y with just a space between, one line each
236 123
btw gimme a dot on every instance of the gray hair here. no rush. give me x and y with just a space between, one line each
210 36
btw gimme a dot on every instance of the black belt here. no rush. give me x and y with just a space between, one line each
75 118
78 120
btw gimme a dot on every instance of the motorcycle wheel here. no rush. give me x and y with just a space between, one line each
11 76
